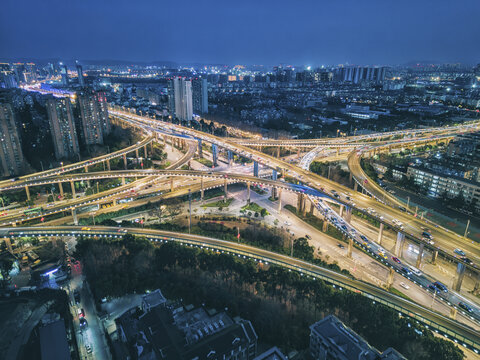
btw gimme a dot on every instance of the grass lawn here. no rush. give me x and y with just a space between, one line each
219 203
205 162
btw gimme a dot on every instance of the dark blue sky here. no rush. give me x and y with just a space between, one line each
243 31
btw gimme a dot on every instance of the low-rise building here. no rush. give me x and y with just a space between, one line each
331 339
178 332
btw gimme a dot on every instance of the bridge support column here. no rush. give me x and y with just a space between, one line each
350 247
255 168
325 225
420 255
299 203
214 154
304 205
380 234
390 277
171 184
279 201
278 151
355 186
27 190
226 190
72 185
86 168
199 148
453 313
457 283
60 187
342 208
312 207
248 193
298 152
74 216
434 257
338 151
476 287
123 181
201 189
348 214
230 157
125 161
108 164
399 244
145 152
136 154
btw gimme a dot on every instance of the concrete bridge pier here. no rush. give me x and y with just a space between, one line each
348 214
108 164
136 154
123 181
125 161
279 201
230 157
171 184
342 208
248 193
460 274
278 151
60 187
145 152
350 247
255 168
355 186
380 234
420 255
226 190
390 277
199 148
476 287
201 189
74 216
86 168
434 257
399 244
27 190
72 185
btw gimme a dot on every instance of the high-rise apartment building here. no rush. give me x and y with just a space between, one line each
200 96
19 71
62 128
95 123
180 98
11 155
358 74
7 77
31 72
81 80
64 74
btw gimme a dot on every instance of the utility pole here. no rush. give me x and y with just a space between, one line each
466 229
189 211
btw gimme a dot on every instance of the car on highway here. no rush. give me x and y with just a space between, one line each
427 235
88 347
81 312
382 255
364 238
397 260
83 322
344 227
440 286
405 286
465 306
406 271
402 208
308 237
467 260
459 252
341 246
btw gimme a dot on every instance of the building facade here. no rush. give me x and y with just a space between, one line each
95 123
200 96
11 155
62 128
180 98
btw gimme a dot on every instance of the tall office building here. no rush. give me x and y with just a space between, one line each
31 72
358 74
62 128
11 155
180 98
81 80
95 123
7 77
19 70
200 96
64 74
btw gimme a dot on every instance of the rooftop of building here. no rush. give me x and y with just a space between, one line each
53 341
273 353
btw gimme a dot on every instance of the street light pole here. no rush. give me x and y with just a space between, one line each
466 229
189 211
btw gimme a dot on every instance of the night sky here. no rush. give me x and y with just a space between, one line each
245 32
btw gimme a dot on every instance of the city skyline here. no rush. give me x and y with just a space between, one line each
267 33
